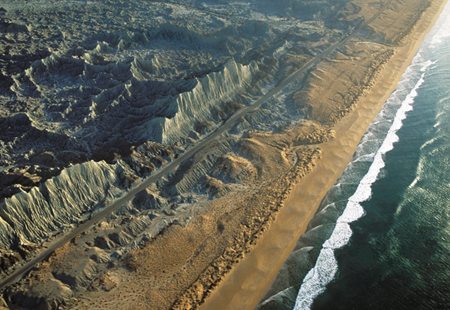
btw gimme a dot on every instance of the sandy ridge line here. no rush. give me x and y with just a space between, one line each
248 281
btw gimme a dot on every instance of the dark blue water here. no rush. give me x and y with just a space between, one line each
390 247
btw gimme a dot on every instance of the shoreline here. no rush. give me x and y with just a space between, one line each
245 285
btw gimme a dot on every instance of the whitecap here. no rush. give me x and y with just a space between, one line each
326 266
444 29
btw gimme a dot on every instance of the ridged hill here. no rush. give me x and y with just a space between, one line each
117 97
197 105
59 202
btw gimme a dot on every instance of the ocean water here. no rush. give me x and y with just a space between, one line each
390 246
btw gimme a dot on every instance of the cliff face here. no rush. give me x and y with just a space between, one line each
199 105
60 202
159 111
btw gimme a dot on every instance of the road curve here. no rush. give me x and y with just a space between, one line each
19 273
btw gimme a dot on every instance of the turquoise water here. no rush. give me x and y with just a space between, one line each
389 245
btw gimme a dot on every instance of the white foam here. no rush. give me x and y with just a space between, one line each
326 265
340 237
444 29
365 158
317 278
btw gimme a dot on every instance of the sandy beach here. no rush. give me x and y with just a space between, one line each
249 280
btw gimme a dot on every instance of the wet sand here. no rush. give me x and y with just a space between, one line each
249 280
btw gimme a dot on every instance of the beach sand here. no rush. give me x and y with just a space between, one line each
248 281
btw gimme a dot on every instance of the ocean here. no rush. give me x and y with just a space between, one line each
389 242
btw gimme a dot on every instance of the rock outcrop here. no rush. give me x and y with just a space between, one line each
60 202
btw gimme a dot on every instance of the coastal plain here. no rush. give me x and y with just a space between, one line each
98 96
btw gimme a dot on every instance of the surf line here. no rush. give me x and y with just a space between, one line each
326 266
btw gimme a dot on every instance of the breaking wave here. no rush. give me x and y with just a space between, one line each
393 113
